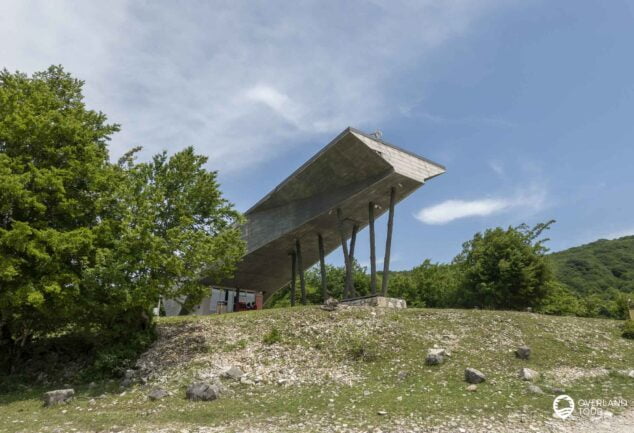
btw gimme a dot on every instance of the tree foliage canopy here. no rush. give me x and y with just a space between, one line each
505 269
90 245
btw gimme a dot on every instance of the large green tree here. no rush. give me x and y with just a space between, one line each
87 245
505 269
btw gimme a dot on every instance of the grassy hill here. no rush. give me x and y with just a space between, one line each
351 370
597 267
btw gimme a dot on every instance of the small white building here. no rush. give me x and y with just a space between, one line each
222 300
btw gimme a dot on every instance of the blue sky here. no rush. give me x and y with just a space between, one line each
529 104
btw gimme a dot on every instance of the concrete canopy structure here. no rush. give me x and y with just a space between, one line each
352 171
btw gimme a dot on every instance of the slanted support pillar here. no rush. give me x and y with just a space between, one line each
388 242
344 246
372 249
322 267
350 280
300 266
293 274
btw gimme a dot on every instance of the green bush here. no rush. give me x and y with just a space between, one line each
628 329
272 337
505 269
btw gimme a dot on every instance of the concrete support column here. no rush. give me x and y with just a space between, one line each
300 266
293 274
322 267
350 281
372 249
388 242
344 246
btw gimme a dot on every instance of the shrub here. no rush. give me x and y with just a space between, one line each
505 269
272 337
628 329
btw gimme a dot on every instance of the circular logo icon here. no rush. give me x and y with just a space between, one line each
563 405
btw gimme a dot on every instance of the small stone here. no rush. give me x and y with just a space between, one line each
128 378
534 389
382 413
58 396
202 392
157 394
330 304
631 374
92 402
245 381
435 356
523 352
472 388
528 374
402 375
472 375
553 389
233 373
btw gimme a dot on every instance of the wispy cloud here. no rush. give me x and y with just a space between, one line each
618 233
497 167
239 81
450 210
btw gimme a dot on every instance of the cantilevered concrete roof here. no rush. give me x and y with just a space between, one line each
351 171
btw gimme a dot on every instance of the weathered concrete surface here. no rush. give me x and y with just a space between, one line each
348 173
376 301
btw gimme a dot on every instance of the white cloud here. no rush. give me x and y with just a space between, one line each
450 210
239 81
276 101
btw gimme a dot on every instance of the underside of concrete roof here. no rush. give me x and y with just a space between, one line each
350 172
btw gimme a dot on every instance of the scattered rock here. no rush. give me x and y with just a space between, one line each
528 374
523 352
202 392
534 389
245 381
553 389
472 388
472 375
330 304
128 378
92 385
157 394
233 373
382 413
402 375
631 374
435 356
58 396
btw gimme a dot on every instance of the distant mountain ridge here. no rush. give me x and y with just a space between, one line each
597 267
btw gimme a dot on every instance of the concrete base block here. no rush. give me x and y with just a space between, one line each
376 301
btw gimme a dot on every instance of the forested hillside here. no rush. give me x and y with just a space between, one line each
597 267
